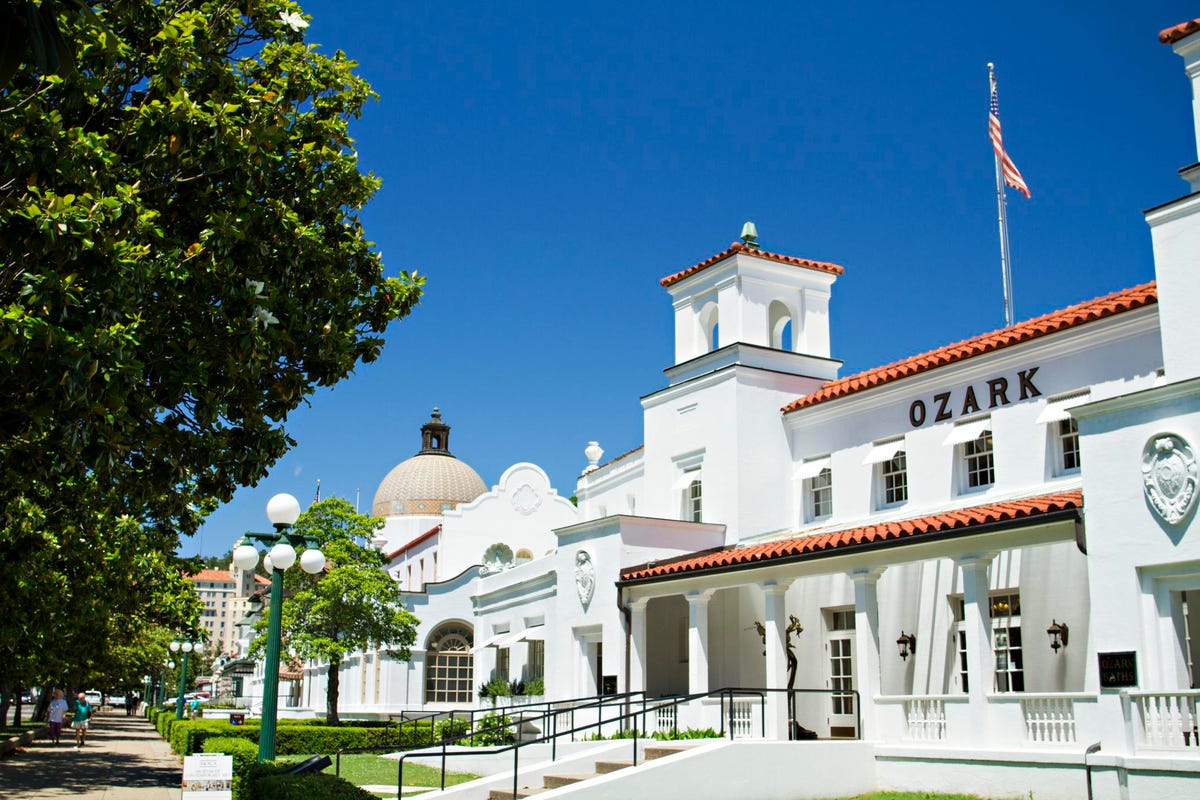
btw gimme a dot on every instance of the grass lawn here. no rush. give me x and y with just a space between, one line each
10 730
913 796
365 769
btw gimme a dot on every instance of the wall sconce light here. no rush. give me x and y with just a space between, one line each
907 644
1058 635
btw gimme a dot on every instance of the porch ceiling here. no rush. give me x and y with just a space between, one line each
948 527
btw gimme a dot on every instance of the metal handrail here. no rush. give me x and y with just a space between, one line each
730 692
543 709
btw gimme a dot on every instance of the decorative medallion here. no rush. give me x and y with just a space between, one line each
1170 475
526 499
585 576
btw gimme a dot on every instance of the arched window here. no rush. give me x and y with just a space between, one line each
780 320
449 665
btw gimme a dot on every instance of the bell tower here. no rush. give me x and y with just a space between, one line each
435 436
747 295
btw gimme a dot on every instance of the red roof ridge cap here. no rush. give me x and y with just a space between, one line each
1087 311
391 556
739 247
1181 31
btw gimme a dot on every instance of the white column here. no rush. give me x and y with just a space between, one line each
774 594
866 645
698 640
637 642
977 624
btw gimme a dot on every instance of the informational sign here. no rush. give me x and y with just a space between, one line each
237 719
208 776
609 684
1118 670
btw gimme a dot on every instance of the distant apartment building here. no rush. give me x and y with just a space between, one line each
225 594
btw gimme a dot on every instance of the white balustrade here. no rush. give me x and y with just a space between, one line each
1168 719
741 718
1049 719
926 718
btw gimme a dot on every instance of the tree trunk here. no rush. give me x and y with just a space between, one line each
42 708
17 710
331 693
5 702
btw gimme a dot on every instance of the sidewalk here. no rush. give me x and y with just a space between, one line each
124 759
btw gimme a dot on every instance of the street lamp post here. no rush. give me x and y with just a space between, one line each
187 646
282 510
147 698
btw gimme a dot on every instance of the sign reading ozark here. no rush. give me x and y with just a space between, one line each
974 398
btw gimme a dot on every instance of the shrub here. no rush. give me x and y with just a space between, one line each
537 686
452 728
293 737
244 752
269 782
495 688
494 729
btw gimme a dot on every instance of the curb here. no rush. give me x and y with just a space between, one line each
25 738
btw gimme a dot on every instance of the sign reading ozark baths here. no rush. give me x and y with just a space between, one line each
974 398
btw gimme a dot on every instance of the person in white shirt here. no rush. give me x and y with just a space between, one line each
58 707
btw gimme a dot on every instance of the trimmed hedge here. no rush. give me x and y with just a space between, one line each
268 782
244 752
295 737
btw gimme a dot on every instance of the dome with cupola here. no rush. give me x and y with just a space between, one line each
431 482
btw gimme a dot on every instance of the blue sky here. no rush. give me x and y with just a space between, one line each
544 164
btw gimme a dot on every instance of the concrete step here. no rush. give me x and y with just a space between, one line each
506 794
605 767
663 751
555 781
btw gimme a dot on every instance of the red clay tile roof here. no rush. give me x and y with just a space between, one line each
219 575
767 552
261 580
1182 30
738 247
414 542
1053 322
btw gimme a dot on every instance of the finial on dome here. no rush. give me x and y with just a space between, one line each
750 235
435 435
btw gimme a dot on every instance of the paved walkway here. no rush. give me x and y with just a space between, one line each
124 759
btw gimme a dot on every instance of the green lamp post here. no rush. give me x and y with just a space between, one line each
282 510
187 646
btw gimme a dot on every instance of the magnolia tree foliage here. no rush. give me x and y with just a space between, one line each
353 605
181 265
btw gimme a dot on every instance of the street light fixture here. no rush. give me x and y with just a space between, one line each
282 510
187 646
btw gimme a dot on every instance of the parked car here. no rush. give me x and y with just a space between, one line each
116 700
94 697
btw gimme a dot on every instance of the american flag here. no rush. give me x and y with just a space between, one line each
1012 175
317 499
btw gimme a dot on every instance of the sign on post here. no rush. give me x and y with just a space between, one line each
208 776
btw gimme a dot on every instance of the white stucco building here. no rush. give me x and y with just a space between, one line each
991 548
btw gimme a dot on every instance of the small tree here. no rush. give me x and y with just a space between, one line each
348 607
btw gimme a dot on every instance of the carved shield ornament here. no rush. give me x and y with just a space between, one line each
585 577
1169 475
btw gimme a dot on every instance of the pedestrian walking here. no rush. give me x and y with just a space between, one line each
130 703
83 714
58 707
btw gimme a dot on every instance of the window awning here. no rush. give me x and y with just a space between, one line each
685 480
968 431
493 640
884 452
532 634
811 468
1058 410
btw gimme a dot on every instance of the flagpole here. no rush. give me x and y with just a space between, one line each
1002 215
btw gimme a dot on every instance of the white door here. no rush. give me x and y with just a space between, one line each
843 717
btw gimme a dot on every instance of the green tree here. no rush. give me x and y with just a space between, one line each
181 258
181 266
353 605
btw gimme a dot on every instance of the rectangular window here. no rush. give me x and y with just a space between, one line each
502 663
820 494
1005 613
537 659
977 459
893 477
1068 445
